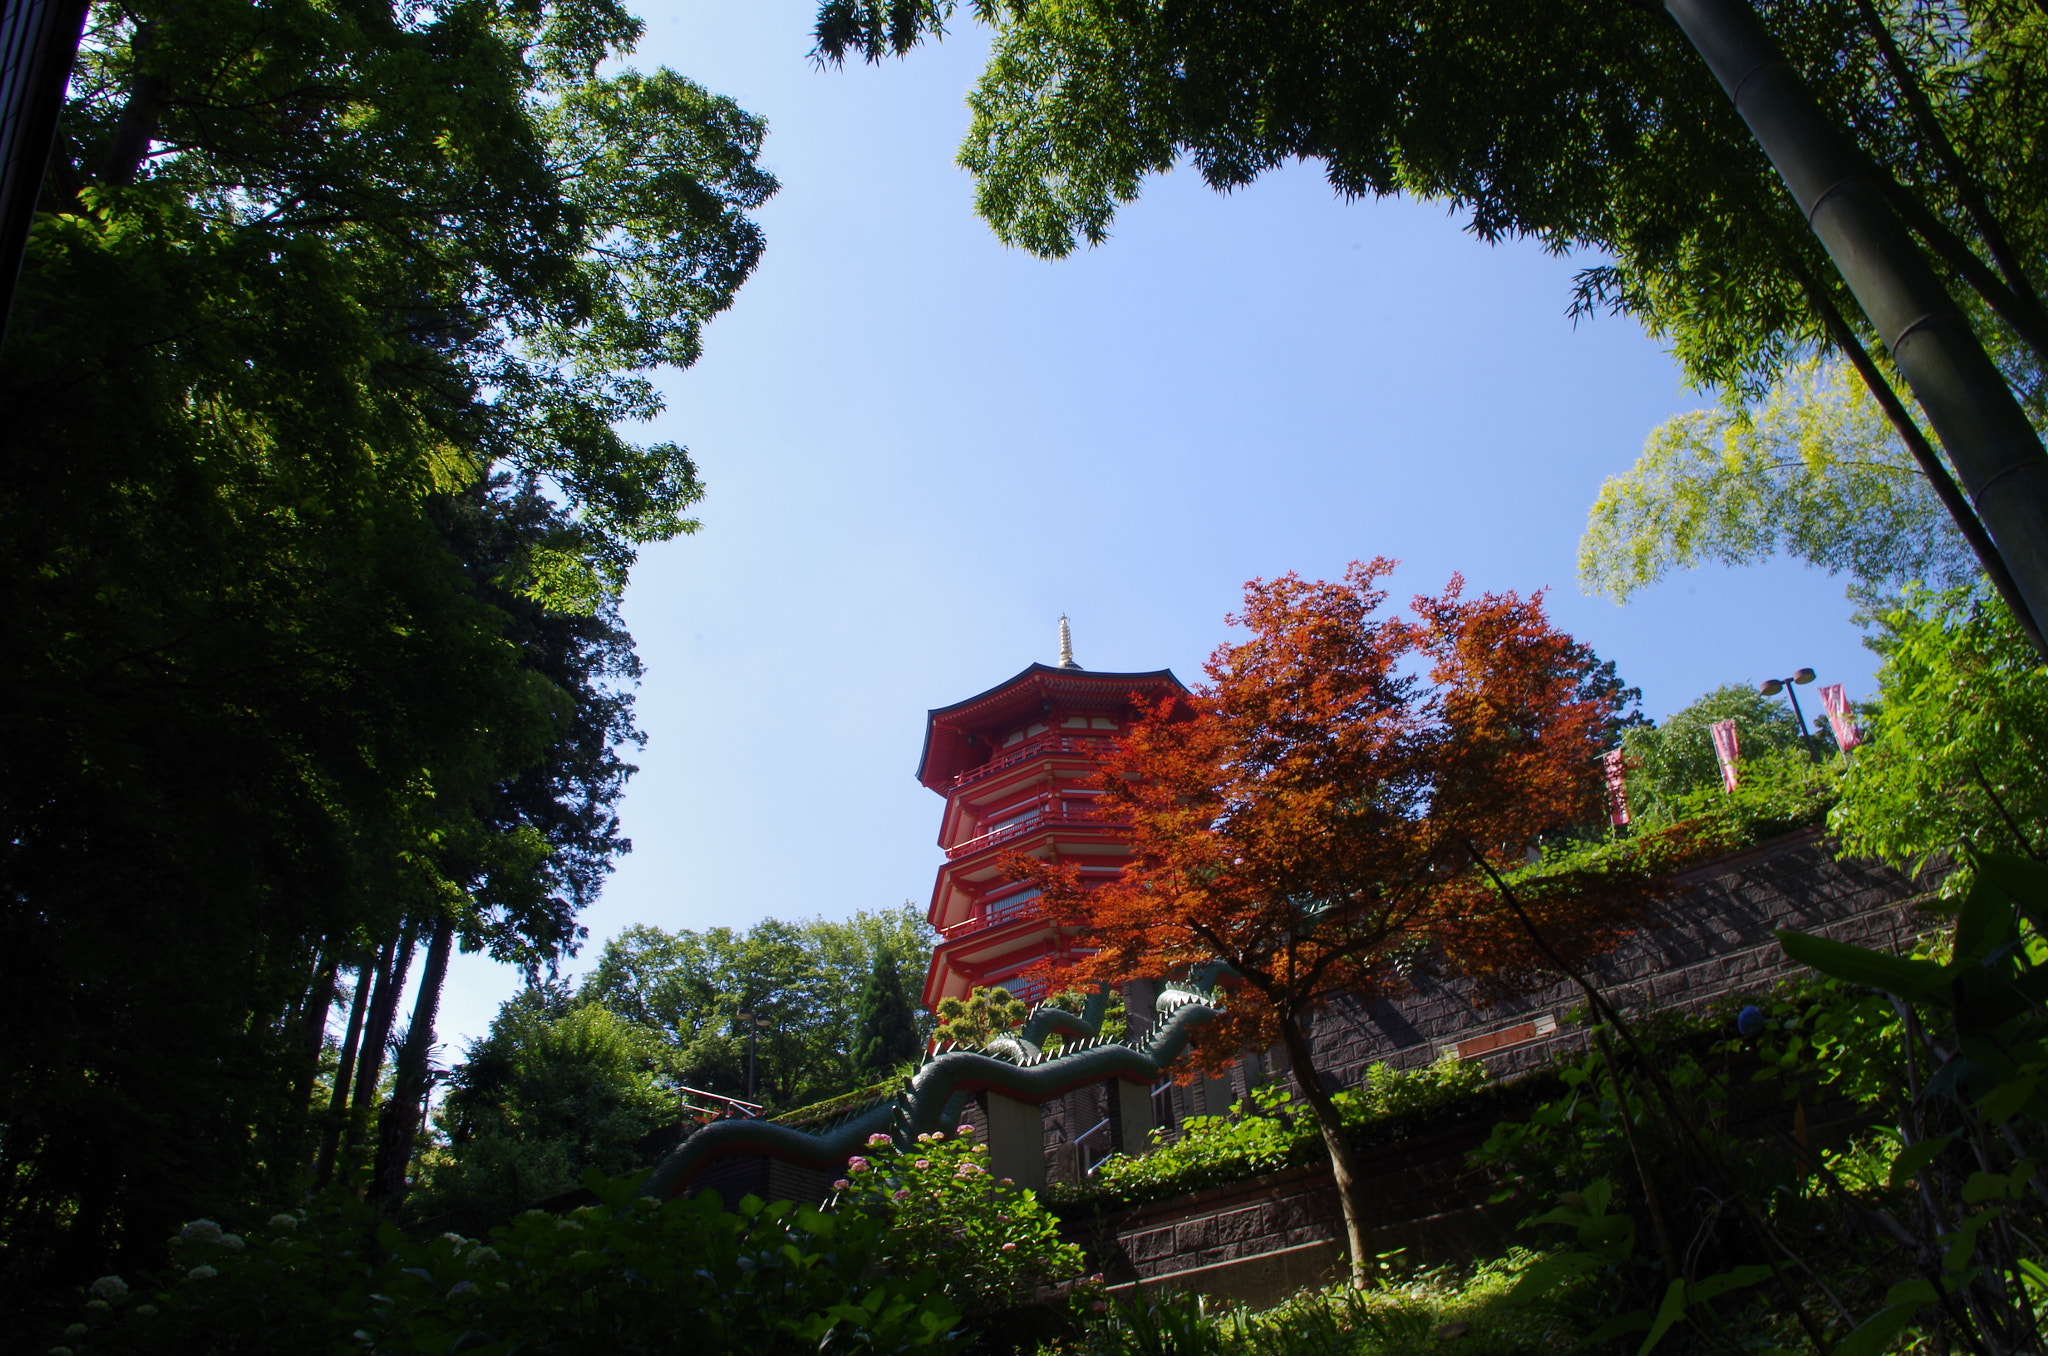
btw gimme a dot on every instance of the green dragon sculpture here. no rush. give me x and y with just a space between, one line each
1014 1065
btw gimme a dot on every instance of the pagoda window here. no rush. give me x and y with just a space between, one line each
1015 815
1008 906
1102 723
1074 723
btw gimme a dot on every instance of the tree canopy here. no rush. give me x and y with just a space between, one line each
317 516
1586 126
1814 472
807 977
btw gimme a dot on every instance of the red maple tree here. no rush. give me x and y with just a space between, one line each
1313 817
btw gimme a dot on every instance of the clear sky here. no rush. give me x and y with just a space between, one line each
921 448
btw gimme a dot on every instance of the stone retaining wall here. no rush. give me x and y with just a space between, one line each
1712 939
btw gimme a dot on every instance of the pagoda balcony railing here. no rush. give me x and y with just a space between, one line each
1017 828
981 922
1034 748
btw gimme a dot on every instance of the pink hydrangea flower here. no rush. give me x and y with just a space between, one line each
964 1130
923 1163
842 1185
878 1138
856 1164
902 1194
1009 1247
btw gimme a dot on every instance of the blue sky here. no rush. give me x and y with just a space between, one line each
921 448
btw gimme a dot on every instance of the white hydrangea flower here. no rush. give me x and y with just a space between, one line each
479 1256
201 1273
146 1310
201 1231
98 1307
285 1222
457 1239
568 1224
232 1242
77 1330
109 1287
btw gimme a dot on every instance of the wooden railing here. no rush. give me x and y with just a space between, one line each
1029 749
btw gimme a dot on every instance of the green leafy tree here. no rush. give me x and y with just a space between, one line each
805 977
1583 125
555 1088
1675 759
289 669
1814 472
1958 751
885 1027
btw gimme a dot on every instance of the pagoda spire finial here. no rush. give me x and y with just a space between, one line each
1066 644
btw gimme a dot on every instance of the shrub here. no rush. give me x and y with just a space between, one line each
993 1245
1269 1134
625 1274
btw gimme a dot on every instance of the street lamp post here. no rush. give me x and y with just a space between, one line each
1772 687
756 1023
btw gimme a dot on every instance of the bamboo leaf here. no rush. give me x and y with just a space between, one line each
1668 1313
1909 1162
1857 965
1876 1332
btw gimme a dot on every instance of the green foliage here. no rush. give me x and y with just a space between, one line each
994 1246
885 1029
806 976
1958 752
554 1090
1675 759
1814 472
980 1017
1580 124
1274 1131
625 1274
319 502
1400 1314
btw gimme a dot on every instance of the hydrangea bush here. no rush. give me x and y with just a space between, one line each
626 1274
994 1245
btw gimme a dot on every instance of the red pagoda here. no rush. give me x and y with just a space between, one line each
1011 763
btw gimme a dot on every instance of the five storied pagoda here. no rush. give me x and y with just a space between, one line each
1011 764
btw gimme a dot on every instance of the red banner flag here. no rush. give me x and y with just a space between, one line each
1616 767
1727 749
1847 736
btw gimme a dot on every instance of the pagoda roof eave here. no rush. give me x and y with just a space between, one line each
1044 680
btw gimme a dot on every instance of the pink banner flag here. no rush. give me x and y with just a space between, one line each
1616 767
1847 736
1727 750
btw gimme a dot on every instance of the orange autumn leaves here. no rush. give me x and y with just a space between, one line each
1309 815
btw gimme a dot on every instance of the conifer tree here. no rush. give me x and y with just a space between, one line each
885 1028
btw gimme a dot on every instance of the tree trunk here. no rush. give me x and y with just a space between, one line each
1343 1163
345 1067
377 1033
135 129
313 1030
1996 453
1945 489
398 1126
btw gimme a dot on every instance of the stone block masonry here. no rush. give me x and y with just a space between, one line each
1712 939
1260 1240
